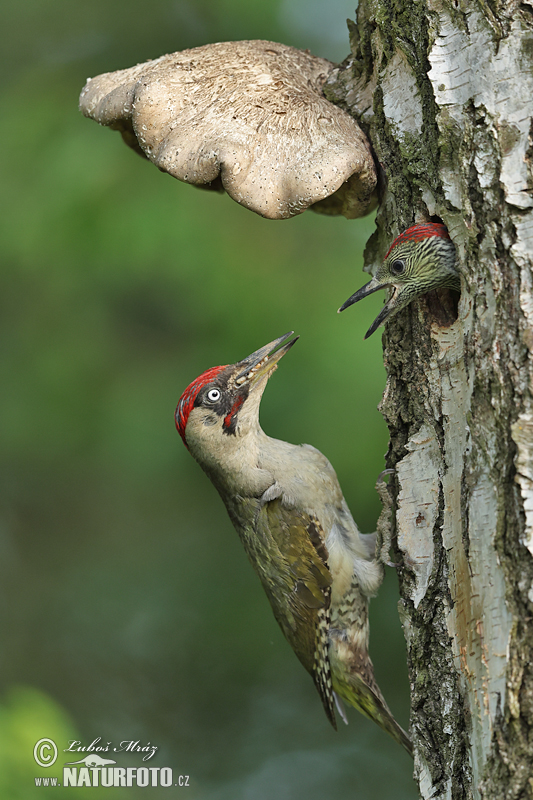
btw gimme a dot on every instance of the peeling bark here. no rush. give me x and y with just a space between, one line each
445 92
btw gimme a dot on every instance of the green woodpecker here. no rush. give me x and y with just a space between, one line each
317 569
420 259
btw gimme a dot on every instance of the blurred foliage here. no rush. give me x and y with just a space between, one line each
127 599
24 715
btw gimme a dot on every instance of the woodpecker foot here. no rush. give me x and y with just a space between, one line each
389 471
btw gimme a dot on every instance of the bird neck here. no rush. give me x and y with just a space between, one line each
232 463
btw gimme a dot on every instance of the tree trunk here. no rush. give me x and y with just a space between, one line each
445 93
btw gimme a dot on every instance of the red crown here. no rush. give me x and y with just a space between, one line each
186 401
418 232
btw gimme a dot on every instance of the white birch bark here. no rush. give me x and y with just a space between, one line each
445 92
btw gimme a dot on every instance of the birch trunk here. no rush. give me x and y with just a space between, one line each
445 92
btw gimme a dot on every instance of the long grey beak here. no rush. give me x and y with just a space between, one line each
263 361
369 288
381 318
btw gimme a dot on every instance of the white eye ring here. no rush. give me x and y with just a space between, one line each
213 395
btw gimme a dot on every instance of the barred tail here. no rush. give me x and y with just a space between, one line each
370 702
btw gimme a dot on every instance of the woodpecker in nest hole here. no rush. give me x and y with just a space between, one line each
420 259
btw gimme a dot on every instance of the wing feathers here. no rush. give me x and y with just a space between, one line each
287 550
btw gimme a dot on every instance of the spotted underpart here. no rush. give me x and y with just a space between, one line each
352 614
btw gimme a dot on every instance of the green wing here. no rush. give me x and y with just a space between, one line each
286 548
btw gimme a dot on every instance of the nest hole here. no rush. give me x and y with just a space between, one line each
443 306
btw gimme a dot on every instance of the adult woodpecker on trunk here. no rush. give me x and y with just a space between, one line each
420 259
317 569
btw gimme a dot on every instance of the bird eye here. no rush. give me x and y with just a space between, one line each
213 395
398 267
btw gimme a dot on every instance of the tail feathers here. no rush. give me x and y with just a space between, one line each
340 708
371 703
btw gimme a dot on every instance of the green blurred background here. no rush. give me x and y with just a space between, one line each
129 610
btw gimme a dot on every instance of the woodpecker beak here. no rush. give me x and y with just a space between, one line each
264 361
369 288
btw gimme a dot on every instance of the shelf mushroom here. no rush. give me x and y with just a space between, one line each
245 117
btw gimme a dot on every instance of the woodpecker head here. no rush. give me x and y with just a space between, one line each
224 401
420 259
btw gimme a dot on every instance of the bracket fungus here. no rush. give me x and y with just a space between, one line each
246 117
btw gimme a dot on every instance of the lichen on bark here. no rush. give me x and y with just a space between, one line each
443 90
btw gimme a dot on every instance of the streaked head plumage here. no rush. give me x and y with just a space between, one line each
420 259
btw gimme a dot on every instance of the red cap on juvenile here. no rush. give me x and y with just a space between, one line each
418 232
186 401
